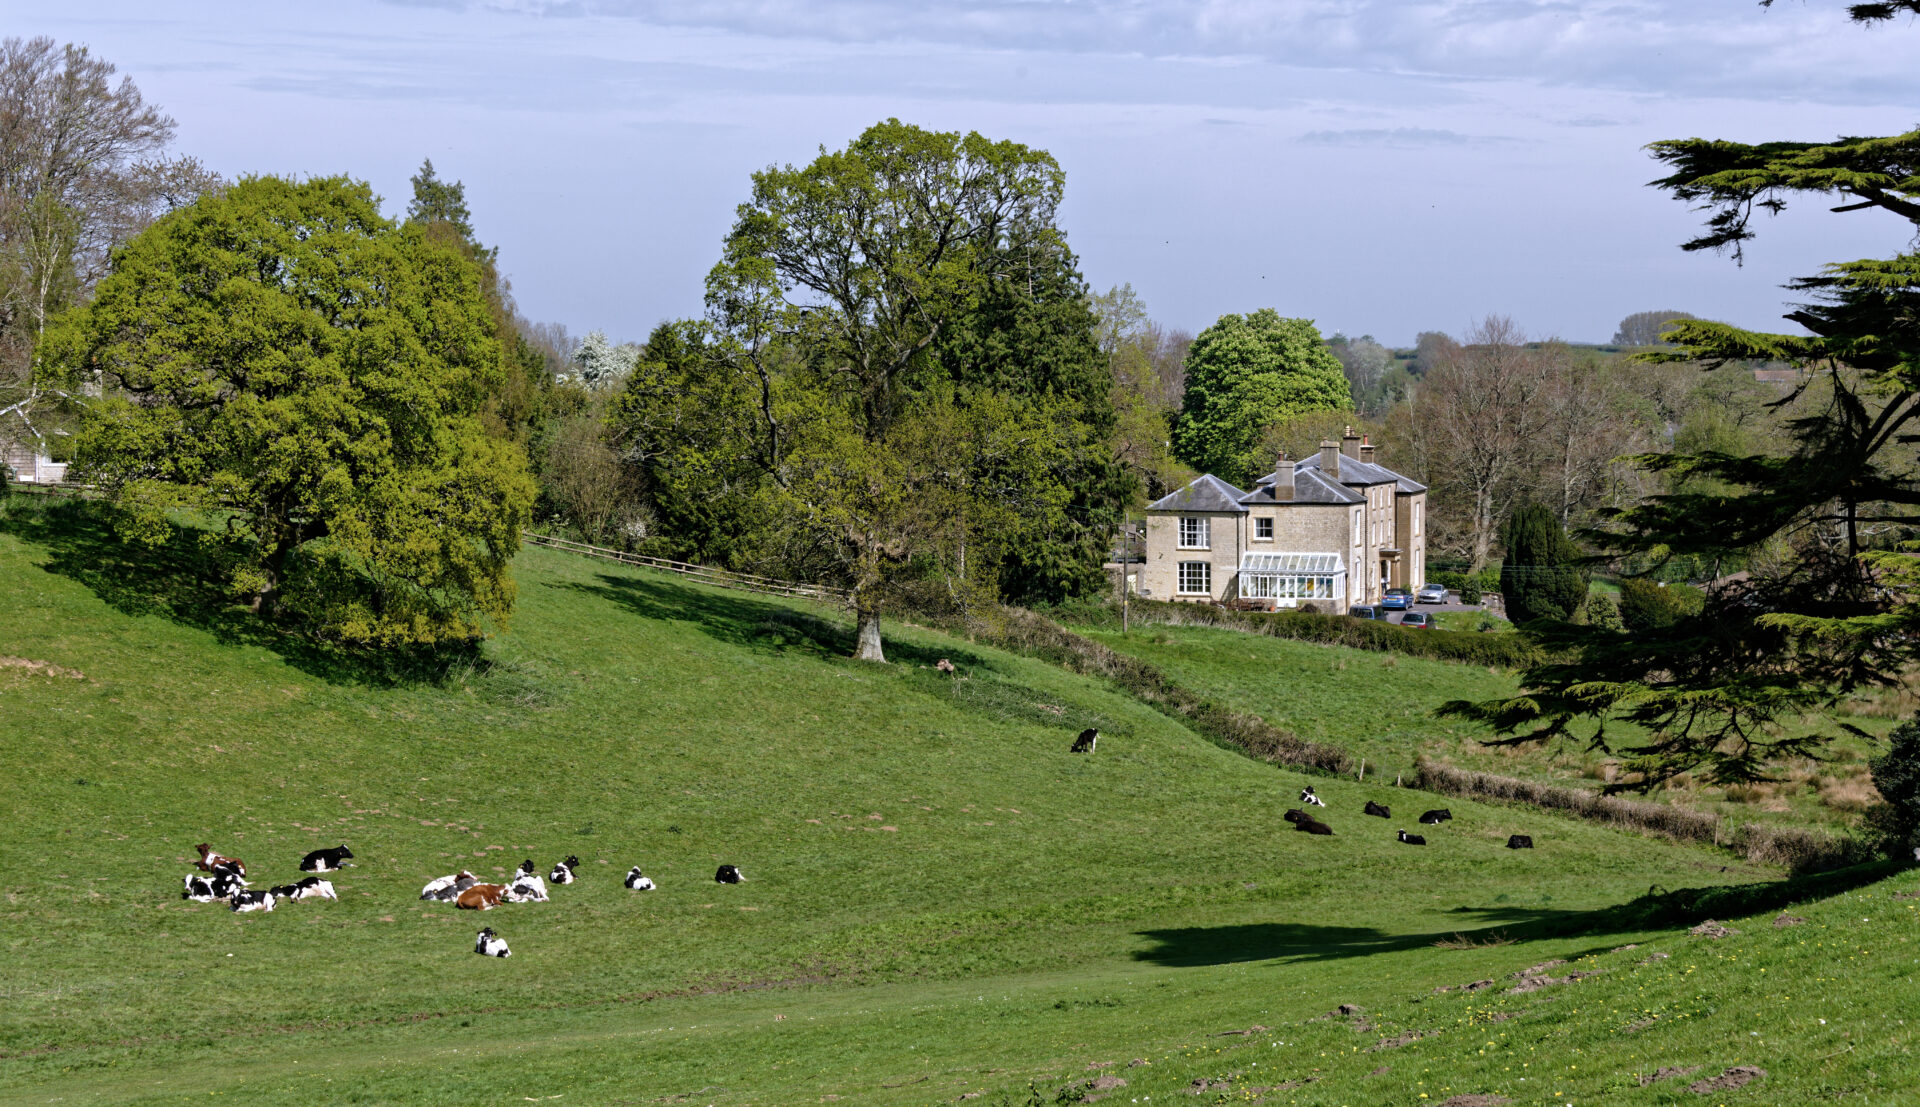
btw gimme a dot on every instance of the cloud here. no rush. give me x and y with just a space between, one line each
1400 136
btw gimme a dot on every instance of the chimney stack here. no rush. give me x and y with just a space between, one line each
1366 449
1330 458
1350 444
1283 478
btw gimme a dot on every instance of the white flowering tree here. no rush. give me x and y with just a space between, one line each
602 364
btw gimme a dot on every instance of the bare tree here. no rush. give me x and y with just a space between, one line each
1643 328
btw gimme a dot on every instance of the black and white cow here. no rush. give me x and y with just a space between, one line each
638 881
1436 816
445 888
488 944
1413 839
1086 741
727 874
1520 841
251 901
562 873
325 860
312 887
526 888
1307 796
199 889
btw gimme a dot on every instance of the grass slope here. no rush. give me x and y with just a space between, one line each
941 900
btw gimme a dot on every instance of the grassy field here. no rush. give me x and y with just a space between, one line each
1381 706
941 900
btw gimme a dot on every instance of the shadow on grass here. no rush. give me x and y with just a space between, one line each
1221 945
181 581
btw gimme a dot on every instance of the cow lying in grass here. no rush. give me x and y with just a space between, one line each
1520 841
209 860
1307 796
251 901
1412 839
1436 816
527 887
480 897
446 887
727 874
1379 809
325 860
310 888
488 944
637 881
1305 822
206 889
562 873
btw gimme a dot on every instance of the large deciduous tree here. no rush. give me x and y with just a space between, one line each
311 375
1244 373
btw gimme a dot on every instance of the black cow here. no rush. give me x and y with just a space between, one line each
1412 839
1520 841
1436 816
325 860
1379 809
727 874
1295 815
1312 826
1084 743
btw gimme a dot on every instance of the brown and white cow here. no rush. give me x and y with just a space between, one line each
481 897
209 859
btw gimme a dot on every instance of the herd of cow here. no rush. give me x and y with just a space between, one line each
1305 822
226 880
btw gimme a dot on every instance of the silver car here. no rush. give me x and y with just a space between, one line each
1431 593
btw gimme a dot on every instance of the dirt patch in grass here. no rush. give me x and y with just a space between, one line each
1711 929
1404 1038
1667 1072
1739 1076
1785 921
40 668
1475 1101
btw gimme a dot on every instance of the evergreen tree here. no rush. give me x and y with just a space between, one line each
1541 576
1896 774
438 201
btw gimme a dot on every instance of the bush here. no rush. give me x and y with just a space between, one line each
1604 614
1505 650
1896 773
1648 606
1541 577
1448 578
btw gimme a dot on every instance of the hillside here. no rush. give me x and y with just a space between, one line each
940 899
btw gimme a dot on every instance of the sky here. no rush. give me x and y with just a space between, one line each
1382 167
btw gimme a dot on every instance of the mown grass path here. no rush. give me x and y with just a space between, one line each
936 888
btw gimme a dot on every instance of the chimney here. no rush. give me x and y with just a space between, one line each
1283 479
1330 458
1350 444
1366 449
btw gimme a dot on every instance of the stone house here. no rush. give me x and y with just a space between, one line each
1333 529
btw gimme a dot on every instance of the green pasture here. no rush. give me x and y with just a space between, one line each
940 899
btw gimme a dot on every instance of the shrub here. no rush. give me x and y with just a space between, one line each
1503 650
1648 606
1604 614
1896 773
1449 578
1541 577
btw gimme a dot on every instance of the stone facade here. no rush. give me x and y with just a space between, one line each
1334 529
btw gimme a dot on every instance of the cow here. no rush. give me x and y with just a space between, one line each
1085 743
1296 816
638 881
1312 826
526 888
1436 816
562 873
1379 809
251 901
1413 839
1520 841
208 859
488 944
480 897
727 874
310 888
446 887
325 860
1307 796
199 889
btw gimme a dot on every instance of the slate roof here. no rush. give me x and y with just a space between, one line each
1206 493
1354 471
1310 486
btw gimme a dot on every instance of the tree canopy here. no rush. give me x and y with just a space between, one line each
290 362
1244 373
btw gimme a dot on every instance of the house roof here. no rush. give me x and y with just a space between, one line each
1355 471
1206 493
1310 486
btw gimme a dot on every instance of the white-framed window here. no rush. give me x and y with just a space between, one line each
1417 506
1263 530
1196 578
1193 533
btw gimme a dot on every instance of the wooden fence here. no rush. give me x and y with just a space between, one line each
719 578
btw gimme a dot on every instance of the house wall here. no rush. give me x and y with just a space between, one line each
1159 578
1413 538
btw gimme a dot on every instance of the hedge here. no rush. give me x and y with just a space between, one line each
1502 649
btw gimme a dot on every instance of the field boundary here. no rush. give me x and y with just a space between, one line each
706 574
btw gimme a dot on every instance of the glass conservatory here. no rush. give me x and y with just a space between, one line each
1288 578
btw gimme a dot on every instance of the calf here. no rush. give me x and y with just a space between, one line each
198 889
1436 816
325 860
446 887
526 888
488 944
1307 796
480 897
637 881
1379 809
1312 825
727 874
1412 839
311 888
251 901
209 859
562 873
1084 743
1520 841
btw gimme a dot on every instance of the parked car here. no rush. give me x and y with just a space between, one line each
1364 612
1397 599
1420 619
1431 593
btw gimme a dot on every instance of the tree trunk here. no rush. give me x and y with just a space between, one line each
867 617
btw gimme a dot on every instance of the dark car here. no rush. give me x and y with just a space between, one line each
1364 612
1397 599
1419 619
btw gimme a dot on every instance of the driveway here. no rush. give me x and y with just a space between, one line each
1394 616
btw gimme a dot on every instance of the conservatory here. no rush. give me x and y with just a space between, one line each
1289 578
